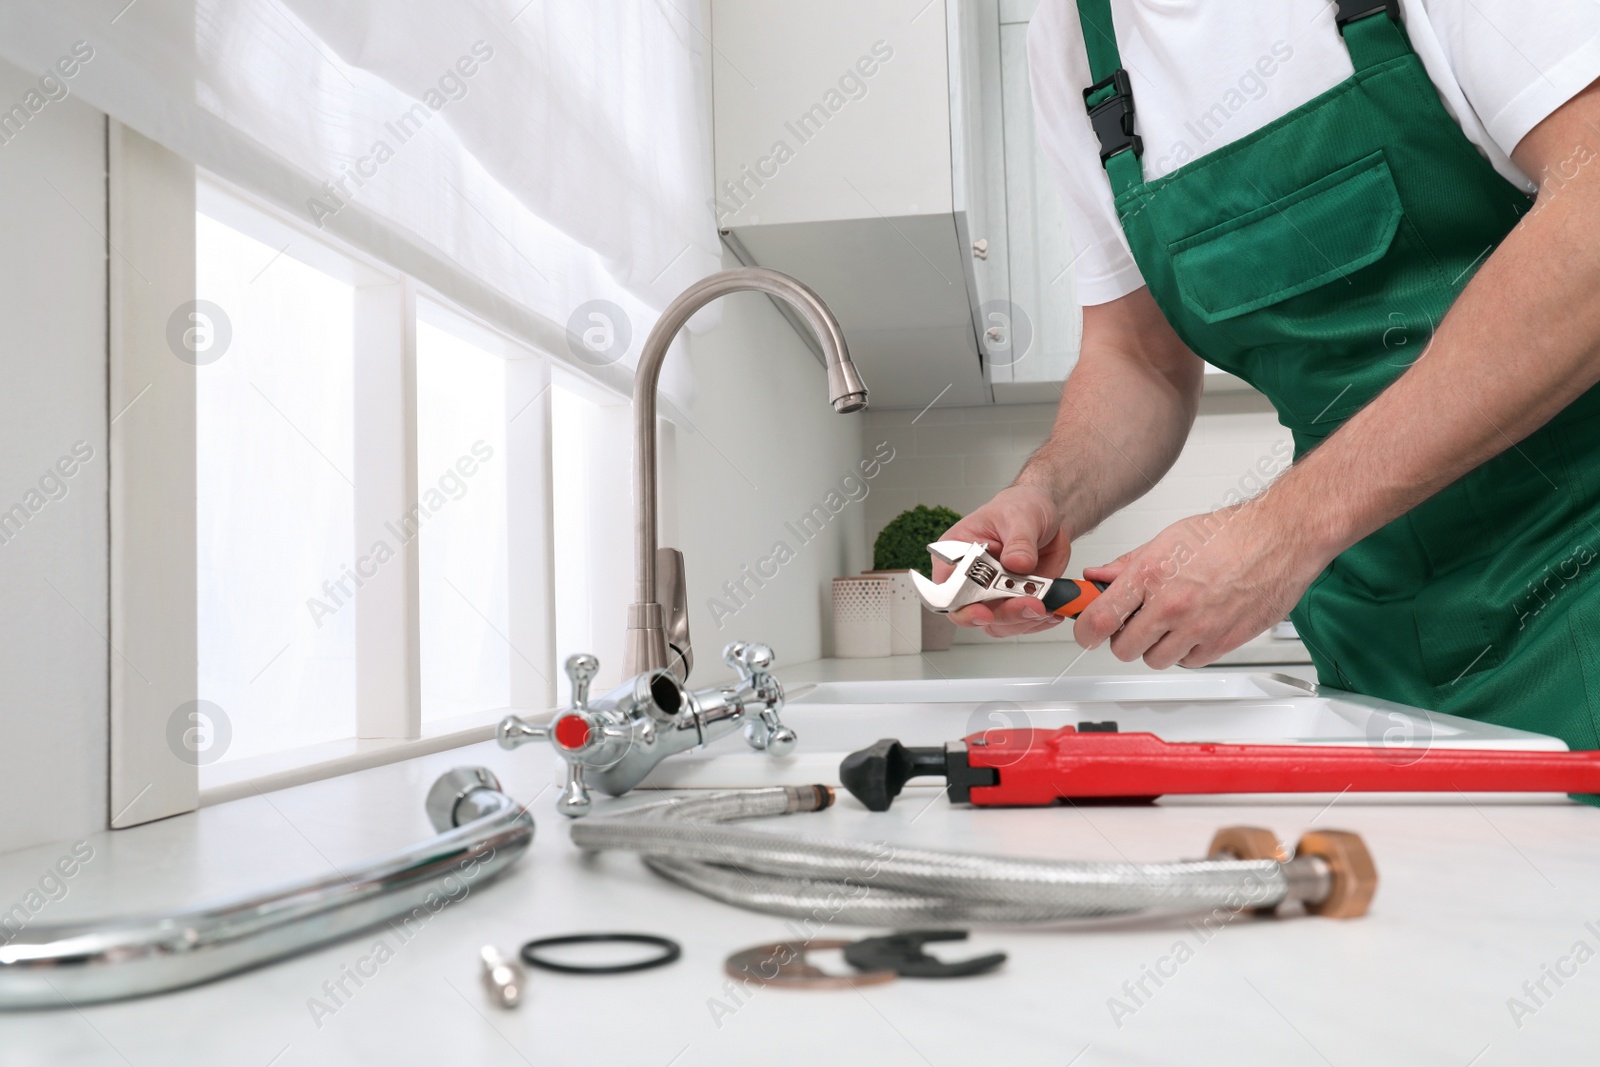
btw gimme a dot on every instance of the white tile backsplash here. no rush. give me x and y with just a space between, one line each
961 457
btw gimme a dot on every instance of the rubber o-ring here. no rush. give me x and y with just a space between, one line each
670 951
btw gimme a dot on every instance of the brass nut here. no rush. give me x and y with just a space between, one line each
1246 843
1353 876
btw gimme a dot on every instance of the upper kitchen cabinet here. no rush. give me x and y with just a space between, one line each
882 152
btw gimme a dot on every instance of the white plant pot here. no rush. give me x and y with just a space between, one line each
861 616
905 613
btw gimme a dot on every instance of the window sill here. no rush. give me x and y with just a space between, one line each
222 782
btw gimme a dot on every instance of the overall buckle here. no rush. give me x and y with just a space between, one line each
1351 10
1113 117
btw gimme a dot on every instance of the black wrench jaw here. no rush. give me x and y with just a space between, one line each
876 775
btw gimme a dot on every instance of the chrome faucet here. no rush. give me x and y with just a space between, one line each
620 737
658 621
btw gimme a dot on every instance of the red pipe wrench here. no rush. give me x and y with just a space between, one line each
1027 767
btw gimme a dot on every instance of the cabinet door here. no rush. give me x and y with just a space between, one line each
978 163
1039 243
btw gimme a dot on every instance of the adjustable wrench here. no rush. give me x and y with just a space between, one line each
978 577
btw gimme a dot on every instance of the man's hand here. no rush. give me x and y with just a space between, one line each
1201 588
1022 529
1097 458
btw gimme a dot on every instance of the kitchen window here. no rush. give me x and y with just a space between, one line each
461 486
278 148
368 586
274 450
483 475
592 441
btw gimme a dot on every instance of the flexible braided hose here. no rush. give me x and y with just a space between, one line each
876 884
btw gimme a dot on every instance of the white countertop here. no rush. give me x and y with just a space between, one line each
1474 899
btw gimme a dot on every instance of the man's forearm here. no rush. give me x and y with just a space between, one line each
1122 421
1521 343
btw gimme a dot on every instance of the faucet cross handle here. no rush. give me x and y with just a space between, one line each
574 801
581 670
751 659
763 731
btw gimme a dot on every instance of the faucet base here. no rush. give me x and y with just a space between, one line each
614 741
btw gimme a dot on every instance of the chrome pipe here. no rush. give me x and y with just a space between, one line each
646 644
481 833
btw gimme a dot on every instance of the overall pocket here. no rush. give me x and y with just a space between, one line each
1326 293
1322 233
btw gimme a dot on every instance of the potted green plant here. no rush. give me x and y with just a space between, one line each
903 546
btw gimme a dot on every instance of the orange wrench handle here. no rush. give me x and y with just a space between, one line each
1068 597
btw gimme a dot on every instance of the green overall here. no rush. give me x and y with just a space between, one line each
1313 258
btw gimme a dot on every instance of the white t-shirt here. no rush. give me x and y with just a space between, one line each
1207 72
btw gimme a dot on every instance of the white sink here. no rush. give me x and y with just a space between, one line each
834 719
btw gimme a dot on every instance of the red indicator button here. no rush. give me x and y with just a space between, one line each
572 731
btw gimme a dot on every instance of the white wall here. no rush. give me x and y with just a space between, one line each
53 583
765 449
961 457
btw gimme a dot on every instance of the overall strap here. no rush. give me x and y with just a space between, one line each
1099 38
1370 39
1110 99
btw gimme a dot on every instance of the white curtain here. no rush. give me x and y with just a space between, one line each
522 158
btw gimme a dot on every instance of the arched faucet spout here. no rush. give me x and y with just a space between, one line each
648 647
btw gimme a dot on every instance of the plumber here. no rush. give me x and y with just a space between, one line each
1386 218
